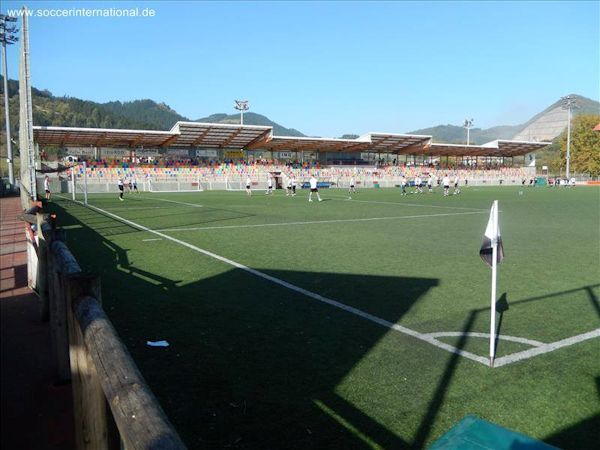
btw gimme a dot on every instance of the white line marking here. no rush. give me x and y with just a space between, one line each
486 336
302 291
193 205
403 204
312 222
546 348
136 208
148 240
505 360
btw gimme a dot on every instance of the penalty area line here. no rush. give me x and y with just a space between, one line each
546 348
405 204
316 222
292 287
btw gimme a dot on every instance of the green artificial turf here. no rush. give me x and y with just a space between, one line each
252 364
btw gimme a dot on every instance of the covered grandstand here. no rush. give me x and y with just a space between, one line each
231 151
197 135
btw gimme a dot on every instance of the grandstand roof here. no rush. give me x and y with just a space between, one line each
293 143
252 137
99 137
217 135
183 134
370 142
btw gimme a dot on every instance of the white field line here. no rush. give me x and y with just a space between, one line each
148 240
486 336
546 348
193 205
502 361
403 204
336 304
124 208
313 222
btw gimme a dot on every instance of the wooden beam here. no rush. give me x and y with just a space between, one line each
201 137
231 138
169 141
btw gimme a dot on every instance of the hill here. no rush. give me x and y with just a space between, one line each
545 125
453 134
251 118
549 123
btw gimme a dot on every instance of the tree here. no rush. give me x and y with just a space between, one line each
585 145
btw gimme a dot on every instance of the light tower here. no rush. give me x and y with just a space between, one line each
468 124
7 36
241 106
569 102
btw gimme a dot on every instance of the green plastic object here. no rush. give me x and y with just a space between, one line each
473 433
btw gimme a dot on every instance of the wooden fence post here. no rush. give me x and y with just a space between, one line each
42 276
58 320
89 402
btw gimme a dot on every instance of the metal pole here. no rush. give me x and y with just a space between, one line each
9 154
85 187
493 296
73 182
569 142
468 134
242 117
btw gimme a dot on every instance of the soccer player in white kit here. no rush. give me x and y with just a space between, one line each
288 189
248 185
403 185
294 184
430 183
352 189
269 185
456 188
313 188
47 187
446 183
418 185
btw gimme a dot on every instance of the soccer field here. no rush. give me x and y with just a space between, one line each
353 323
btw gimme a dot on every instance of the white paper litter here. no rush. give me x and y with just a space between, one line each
157 343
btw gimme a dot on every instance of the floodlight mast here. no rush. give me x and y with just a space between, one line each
569 102
468 124
241 106
7 36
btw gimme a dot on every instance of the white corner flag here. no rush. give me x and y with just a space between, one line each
492 253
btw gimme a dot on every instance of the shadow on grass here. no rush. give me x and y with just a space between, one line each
252 365
583 435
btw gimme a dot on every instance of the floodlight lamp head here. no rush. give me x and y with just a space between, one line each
241 105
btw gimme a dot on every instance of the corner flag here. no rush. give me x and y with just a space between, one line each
492 254
492 237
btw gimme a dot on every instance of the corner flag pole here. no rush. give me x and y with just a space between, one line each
494 270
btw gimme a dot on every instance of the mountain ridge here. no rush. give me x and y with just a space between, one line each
51 110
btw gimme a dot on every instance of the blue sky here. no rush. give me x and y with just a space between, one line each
325 68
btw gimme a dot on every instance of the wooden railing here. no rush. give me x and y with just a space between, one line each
112 404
